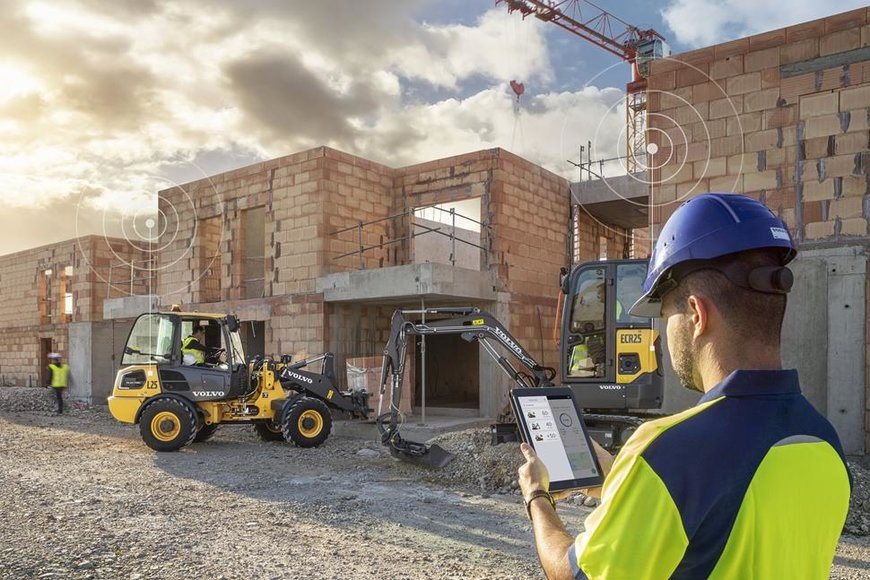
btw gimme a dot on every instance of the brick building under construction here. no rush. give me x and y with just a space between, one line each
315 249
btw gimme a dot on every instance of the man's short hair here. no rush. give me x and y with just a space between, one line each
751 315
197 328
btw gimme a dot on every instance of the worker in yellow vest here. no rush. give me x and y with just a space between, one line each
59 379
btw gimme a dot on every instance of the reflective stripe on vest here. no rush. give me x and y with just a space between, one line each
59 375
197 354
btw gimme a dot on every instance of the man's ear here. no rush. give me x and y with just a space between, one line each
699 314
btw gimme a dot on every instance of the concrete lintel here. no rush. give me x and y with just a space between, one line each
825 62
129 306
619 201
401 283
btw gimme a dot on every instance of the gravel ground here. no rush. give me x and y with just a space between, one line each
82 497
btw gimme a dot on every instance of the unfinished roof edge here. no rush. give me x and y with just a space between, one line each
762 40
69 241
324 151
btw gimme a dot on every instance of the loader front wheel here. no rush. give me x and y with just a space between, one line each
167 425
307 422
269 431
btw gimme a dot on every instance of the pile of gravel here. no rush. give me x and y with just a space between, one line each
483 467
858 520
488 469
17 399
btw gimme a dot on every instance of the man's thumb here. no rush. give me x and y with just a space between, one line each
528 452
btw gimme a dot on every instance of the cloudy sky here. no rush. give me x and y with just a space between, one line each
104 102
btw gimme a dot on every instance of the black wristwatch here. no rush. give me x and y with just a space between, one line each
535 495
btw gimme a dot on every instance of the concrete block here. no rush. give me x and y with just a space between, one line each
727 67
855 98
732 48
855 185
761 100
858 141
853 226
662 81
744 124
706 168
767 39
726 107
687 76
865 35
770 77
724 146
742 84
804 30
761 59
846 207
841 41
818 147
726 183
841 165
762 140
822 126
799 51
818 230
814 190
844 20
706 91
761 180
821 104
780 117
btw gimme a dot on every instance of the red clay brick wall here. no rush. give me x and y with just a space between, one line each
530 221
357 190
21 276
444 180
797 141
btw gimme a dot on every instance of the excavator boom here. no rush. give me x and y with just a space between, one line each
472 324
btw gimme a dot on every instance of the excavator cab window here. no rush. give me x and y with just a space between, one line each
629 287
588 329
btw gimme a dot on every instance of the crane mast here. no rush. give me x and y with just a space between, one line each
630 43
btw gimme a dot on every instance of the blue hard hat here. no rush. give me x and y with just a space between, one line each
709 226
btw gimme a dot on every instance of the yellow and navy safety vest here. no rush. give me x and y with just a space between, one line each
198 355
726 489
59 374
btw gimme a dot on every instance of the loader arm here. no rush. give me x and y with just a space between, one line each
472 324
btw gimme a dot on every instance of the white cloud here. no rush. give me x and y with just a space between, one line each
96 117
699 23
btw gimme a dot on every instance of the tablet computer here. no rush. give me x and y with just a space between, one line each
550 420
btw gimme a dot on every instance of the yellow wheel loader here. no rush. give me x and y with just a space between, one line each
177 398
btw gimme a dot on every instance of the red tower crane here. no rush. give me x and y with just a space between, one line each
630 43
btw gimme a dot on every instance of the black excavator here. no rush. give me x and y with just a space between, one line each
609 358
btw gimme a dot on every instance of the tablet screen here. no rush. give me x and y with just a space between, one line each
553 427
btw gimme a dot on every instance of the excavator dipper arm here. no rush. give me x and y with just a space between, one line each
472 324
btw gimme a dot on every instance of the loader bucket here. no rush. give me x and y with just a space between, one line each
433 457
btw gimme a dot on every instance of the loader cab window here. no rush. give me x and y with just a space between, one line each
213 338
238 351
588 328
150 340
629 287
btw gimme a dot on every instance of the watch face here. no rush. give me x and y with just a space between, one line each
565 419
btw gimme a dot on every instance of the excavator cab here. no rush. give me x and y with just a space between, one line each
611 358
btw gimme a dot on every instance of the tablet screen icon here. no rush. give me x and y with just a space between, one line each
566 420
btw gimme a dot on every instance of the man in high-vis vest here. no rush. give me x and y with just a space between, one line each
194 348
59 378
749 483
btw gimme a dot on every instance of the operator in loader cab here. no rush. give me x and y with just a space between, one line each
194 346
712 491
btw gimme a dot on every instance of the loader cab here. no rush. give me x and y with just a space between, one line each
158 339
611 357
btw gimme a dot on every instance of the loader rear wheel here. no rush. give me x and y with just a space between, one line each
269 431
205 432
167 425
307 422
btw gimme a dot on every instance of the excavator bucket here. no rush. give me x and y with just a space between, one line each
433 456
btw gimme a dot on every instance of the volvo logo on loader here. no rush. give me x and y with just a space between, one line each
299 377
208 393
